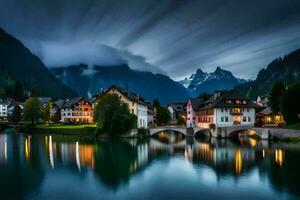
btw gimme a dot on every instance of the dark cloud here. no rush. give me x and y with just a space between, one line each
165 36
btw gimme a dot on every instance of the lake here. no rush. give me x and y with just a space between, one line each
71 167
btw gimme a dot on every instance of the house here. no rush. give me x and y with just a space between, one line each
192 108
265 116
11 107
3 110
262 100
44 101
77 110
176 110
223 108
135 102
56 110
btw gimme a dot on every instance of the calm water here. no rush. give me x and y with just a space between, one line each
56 167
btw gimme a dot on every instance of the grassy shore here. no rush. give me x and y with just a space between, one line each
294 126
66 129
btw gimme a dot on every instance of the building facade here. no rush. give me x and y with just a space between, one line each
136 104
220 110
3 111
78 111
176 110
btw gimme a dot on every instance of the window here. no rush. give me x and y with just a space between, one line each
244 119
132 111
249 119
222 119
189 112
248 110
226 110
226 119
228 101
222 110
244 102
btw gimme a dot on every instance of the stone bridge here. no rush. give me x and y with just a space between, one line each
227 132
181 129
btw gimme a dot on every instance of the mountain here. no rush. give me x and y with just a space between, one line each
88 81
220 79
17 63
286 69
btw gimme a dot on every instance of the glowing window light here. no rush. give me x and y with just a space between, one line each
279 156
238 161
27 149
51 152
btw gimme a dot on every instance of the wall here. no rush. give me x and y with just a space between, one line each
131 105
225 112
191 116
142 114
3 111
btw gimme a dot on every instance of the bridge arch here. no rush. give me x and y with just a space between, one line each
154 131
249 131
203 133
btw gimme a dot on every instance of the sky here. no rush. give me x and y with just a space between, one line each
172 37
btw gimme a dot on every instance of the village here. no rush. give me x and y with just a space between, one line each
221 109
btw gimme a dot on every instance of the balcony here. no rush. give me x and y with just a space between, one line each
236 111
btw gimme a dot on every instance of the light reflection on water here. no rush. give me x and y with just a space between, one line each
134 168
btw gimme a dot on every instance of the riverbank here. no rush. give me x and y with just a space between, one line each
294 126
84 130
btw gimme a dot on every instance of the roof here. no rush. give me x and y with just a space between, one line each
219 100
59 103
197 103
177 107
132 96
70 103
265 111
44 100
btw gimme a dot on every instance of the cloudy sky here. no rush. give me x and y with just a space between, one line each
174 37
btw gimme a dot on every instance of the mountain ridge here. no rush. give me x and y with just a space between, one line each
147 84
220 79
19 64
286 69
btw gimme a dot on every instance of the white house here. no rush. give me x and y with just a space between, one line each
3 111
135 102
175 110
222 109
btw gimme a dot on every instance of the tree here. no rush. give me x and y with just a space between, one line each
181 120
32 110
276 93
15 91
18 91
290 105
17 114
56 117
46 112
156 103
163 115
113 116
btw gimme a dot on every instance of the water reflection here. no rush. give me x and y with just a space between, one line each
25 161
